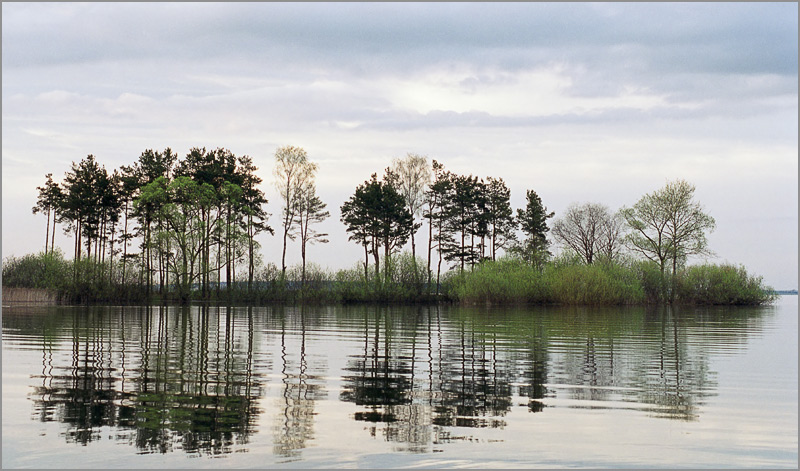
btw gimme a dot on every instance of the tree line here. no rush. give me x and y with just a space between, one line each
196 220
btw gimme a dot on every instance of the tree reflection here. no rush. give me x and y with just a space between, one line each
476 390
192 387
466 384
166 379
300 392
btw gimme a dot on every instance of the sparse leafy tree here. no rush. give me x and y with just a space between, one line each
687 223
292 170
667 225
412 174
310 211
50 197
435 212
255 217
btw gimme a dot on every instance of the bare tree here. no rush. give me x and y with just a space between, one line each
589 229
413 175
611 239
292 171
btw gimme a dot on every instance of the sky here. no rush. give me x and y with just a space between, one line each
596 102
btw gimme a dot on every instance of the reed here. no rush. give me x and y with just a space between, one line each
722 285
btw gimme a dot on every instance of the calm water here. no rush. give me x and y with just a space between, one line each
138 387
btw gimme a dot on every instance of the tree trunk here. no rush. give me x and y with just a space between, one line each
366 263
53 237
228 251
125 243
303 254
283 256
376 255
250 262
47 234
430 248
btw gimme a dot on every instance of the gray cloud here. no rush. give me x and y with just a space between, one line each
730 38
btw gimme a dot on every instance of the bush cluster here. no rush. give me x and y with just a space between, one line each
722 284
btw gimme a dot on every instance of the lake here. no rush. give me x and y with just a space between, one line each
388 387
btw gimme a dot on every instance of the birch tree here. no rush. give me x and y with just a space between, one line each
413 174
292 171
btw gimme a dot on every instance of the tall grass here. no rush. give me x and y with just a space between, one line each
601 283
569 281
75 282
508 280
722 284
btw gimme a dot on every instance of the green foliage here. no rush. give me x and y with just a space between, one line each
601 283
533 222
75 281
41 271
397 284
655 284
506 280
722 284
567 280
377 216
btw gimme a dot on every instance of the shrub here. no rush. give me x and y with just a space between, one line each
42 271
722 284
655 285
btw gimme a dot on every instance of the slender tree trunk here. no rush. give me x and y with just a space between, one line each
283 255
47 234
77 255
462 249
472 251
366 263
494 242
414 258
430 248
376 255
147 261
53 237
303 254
439 271
111 259
228 250
251 249
674 279
386 259
219 266
413 242
125 243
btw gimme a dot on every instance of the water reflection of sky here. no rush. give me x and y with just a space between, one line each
359 385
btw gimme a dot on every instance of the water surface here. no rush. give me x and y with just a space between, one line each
366 386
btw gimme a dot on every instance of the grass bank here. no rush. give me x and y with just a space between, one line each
402 281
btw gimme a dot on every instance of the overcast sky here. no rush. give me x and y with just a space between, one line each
579 102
